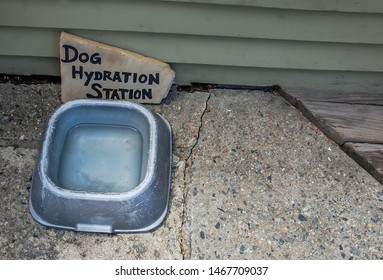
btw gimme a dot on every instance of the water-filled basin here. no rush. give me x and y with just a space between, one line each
104 166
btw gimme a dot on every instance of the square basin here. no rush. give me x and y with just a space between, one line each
104 166
101 158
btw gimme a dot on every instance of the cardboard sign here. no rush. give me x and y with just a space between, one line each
94 70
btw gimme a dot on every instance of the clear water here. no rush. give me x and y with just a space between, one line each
101 158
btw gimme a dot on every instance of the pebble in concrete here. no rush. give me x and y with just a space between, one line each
24 110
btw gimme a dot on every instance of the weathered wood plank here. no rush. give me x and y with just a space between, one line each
198 19
356 127
367 98
349 122
369 156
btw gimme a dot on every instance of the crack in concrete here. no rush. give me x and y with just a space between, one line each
188 160
199 131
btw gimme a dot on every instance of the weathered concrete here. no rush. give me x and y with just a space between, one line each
252 179
264 183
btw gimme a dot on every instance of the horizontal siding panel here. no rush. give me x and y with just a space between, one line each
362 6
29 65
322 44
330 80
21 41
207 50
229 75
195 19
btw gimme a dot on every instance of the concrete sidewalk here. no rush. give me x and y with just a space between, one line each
251 179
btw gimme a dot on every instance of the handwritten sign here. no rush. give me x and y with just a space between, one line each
94 70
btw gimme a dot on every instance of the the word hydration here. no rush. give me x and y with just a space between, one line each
120 84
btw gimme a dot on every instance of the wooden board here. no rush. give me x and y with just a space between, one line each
350 122
306 94
354 120
370 156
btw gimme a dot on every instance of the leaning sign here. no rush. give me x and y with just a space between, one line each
94 70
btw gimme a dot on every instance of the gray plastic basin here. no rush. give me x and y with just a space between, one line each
104 166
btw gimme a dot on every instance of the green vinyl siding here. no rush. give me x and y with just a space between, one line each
325 44
360 6
197 19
